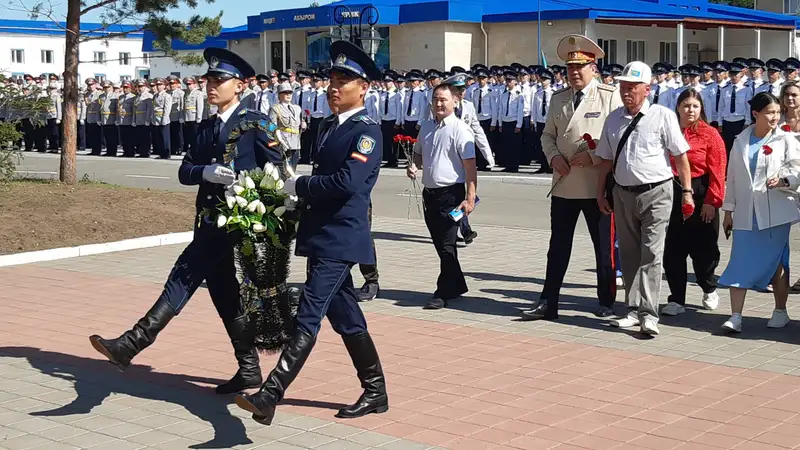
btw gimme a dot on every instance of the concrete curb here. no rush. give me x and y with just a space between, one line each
95 249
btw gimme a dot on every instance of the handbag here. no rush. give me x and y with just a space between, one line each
610 177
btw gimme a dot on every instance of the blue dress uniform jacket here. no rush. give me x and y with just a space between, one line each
335 222
253 152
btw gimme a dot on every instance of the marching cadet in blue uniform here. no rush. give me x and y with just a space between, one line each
334 234
209 257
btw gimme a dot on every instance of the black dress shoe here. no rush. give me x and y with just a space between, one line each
470 237
604 311
369 291
540 312
435 303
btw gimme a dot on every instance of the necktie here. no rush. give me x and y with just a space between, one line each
480 101
578 98
258 103
544 104
733 99
719 91
217 129
410 102
655 97
316 96
458 110
753 85
386 104
508 102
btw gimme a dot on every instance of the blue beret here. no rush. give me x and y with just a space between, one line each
224 63
351 59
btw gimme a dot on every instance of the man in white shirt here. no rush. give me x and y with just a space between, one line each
484 101
413 104
264 100
510 113
774 69
390 107
757 83
635 145
734 109
445 150
721 77
540 107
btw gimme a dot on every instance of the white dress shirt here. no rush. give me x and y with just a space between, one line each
645 157
542 98
416 98
389 106
510 107
484 102
443 145
741 104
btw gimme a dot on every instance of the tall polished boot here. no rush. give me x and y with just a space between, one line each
249 373
121 351
262 404
368 365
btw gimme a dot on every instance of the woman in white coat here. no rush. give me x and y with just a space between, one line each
760 207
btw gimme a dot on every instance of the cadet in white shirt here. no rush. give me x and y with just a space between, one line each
661 93
757 82
636 144
413 104
539 109
734 110
445 150
510 113
264 97
390 106
774 69
721 76
484 101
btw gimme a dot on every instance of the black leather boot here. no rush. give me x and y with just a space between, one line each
262 404
249 373
121 351
368 365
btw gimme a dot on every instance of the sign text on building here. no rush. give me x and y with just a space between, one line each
304 17
269 21
351 14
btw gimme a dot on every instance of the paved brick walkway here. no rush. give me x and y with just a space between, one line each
469 377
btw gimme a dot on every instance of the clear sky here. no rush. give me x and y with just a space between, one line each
235 11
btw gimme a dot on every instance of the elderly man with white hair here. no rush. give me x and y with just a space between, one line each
636 144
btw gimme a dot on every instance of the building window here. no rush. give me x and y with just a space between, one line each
146 58
125 78
177 74
609 46
100 77
18 56
99 57
17 76
318 44
636 51
125 59
48 57
668 52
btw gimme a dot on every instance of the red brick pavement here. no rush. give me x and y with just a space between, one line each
452 386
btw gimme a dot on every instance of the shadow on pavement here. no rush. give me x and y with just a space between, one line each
96 380
400 237
485 276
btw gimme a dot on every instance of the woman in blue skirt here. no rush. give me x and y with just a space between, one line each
760 208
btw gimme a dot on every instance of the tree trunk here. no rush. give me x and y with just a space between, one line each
68 172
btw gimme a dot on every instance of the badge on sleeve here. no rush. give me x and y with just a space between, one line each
365 145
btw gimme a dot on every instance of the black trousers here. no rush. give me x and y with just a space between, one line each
175 137
111 135
306 141
53 137
128 140
161 141
40 137
444 232
144 139
538 152
389 146
370 271
729 132
410 129
189 136
563 219
691 238
528 141
512 146
94 136
480 160
81 136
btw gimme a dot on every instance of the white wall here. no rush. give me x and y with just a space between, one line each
34 44
163 67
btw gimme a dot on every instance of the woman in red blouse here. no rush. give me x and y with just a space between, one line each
696 237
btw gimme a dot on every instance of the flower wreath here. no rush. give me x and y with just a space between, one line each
263 125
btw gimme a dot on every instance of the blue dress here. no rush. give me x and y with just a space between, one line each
755 254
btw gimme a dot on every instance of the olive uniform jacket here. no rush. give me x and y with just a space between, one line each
563 135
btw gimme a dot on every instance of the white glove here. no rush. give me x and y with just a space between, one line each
58 122
290 185
219 174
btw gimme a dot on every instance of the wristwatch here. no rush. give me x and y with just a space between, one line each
785 181
688 191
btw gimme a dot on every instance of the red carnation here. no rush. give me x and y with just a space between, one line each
397 138
587 137
589 141
687 209
786 127
767 150
308 113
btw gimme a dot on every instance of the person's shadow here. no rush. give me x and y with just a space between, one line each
96 380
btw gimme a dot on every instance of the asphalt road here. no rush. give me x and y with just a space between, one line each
508 200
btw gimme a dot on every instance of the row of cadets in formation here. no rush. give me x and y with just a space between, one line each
725 87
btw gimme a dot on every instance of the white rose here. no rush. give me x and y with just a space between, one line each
242 176
279 211
257 172
268 167
276 175
252 206
241 202
279 185
221 221
259 228
261 208
249 183
230 200
238 189
268 183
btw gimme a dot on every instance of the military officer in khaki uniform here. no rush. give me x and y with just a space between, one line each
290 120
176 115
125 112
54 116
142 120
193 109
108 118
576 115
162 109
